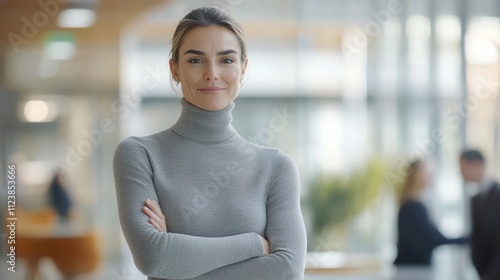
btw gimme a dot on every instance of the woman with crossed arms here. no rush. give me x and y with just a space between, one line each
198 201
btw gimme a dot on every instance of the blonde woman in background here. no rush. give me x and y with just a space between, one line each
417 234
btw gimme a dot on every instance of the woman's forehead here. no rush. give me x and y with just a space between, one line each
210 39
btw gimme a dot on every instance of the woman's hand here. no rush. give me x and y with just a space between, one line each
265 245
156 218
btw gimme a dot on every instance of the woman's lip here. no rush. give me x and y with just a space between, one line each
210 89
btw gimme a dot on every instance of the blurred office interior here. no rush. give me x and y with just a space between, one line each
360 88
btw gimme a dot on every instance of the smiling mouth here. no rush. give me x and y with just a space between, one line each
211 90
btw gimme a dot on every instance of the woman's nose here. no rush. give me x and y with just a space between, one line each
211 72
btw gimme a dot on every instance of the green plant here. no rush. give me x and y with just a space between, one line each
335 199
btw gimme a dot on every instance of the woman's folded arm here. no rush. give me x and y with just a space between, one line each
162 254
285 231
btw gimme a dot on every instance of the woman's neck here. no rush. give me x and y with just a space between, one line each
203 125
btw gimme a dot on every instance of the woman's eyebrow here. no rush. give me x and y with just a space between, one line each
224 52
194 52
197 52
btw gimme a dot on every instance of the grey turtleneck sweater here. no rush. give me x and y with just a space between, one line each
217 192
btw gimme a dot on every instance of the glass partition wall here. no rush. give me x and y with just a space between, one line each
359 81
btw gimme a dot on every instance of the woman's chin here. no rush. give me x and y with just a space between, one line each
212 103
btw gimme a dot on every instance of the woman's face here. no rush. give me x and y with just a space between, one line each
209 67
425 174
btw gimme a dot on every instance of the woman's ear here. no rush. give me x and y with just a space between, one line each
244 68
174 70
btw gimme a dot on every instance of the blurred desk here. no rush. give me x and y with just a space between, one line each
73 255
73 248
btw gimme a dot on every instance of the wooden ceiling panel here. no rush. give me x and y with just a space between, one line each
112 15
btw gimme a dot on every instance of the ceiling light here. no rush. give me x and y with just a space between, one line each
59 50
59 45
36 111
76 18
39 111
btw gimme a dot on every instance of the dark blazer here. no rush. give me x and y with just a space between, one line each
485 239
418 236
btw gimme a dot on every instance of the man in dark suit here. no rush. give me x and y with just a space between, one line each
485 208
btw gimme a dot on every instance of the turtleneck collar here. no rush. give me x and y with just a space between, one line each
203 125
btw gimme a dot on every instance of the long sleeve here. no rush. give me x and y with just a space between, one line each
285 231
418 236
168 255
427 231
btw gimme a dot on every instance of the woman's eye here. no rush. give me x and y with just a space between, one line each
194 60
228 60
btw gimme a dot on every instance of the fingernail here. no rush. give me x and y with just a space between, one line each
148 200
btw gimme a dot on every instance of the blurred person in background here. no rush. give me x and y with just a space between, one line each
197 200
417 234
485 208
59 198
